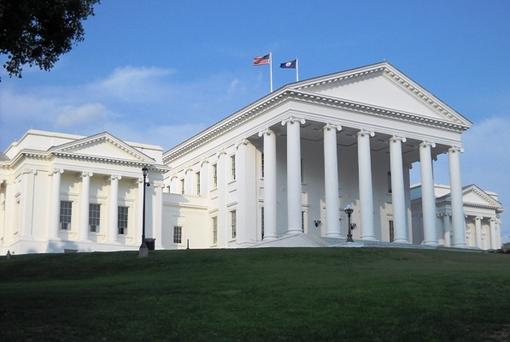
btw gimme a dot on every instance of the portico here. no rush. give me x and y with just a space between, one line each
334 142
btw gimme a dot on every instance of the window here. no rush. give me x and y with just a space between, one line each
233 166
66 211
389 182
182 186
262 221
303 221
94 217
215 175
177 234
392 231
215 230
262 164
233 223
122 218
197 176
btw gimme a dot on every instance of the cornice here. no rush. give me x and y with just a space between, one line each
102 137
492 202
107 160
400 79
300 96
48 156
342 77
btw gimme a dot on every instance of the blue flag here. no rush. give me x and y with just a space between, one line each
289 65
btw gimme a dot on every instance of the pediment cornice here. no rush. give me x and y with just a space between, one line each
49 156
393 74
104 137
491 202
283 95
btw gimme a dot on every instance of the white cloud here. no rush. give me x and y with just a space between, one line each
145 104
90 113
133 84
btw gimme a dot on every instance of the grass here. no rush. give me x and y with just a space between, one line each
293 294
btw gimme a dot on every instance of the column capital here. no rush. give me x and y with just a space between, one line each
189 169
267 131
29 171
292 119
202 163
158 184
456 149
222 153
86 174
242 142
362 132
425 144
493 220
330 126
396 138
115 177
479 218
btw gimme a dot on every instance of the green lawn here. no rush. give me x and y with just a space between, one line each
294 294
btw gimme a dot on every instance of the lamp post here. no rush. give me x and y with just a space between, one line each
348 210
144 251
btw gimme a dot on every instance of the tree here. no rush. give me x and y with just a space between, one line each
38 32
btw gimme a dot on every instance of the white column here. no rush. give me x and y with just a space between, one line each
493 241
397 190
221 172
446 229
113 213
54 206
2 211
27 203
478 231
293 174
331 181
83 228
428 197
246 183
366 197
498 233
458 222
139 209
269 184
158 213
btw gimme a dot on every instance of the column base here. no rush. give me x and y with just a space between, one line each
269 237
401 241
293 231
334 236
369 238
430 243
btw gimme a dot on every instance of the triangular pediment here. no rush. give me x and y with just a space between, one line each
103 145
475 196
382 85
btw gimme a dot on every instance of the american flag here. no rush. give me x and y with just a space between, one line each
261 60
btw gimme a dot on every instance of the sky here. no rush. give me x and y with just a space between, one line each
160 71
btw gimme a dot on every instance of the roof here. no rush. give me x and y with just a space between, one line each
298 90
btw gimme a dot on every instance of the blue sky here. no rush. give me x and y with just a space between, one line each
159 71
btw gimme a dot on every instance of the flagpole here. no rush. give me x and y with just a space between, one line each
271 71
297 70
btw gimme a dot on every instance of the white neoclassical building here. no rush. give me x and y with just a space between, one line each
278 172
482 211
